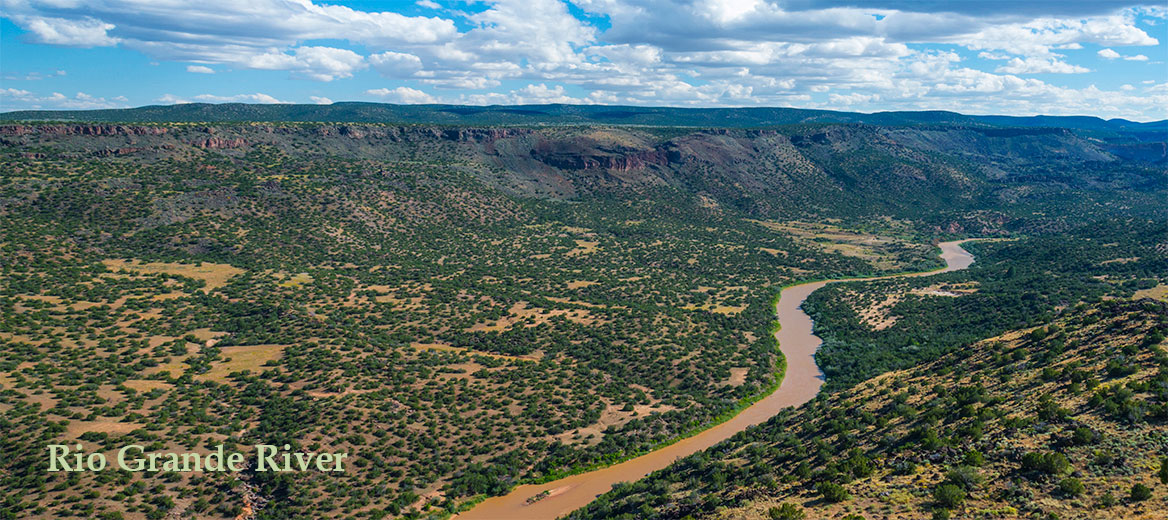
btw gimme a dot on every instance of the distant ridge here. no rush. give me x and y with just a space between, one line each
360 112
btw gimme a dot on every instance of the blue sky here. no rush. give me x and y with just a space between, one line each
1105 58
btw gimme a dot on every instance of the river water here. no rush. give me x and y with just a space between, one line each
800 384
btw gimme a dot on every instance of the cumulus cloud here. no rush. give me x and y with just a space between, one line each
395 64
1112 55
34 76
1039 66
255 34
404 95
321 100
11 99
859 54
319 63
200 69
81 32
258 97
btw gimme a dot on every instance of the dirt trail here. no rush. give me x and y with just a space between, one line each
800 384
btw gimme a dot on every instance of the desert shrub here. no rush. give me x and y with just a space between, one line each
832 492
949 495
1140 492
1071 487
787 511
1049 463
974 458
1107 500
966 477
1083 436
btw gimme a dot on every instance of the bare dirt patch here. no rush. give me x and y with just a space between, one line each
882 251
534 356
737 376
215 275
237 359
76 428
1159 292
522 314
583 247
728 310
145 385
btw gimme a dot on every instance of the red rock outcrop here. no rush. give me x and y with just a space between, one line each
219 142
82 130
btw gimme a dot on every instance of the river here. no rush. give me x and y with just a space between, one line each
800 384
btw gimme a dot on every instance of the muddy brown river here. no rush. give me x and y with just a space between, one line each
800 384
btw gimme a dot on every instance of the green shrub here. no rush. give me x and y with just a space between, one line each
949 495
1084 436
974 458
1049 463
787 511
832 492
1071 487
965 477
1140 492
1107 500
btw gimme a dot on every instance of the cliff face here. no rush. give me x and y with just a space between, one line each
216 143
616 160
82 130
760 171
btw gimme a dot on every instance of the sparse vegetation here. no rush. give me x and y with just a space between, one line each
465 309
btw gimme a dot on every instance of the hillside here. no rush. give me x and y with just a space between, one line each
458 115
968 178
1064 420
466 308
183 287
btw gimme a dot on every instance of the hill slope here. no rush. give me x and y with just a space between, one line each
457 115
953 172
1066 419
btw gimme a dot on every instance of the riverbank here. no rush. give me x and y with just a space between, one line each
800 383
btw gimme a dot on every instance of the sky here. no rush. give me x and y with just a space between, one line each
1104 58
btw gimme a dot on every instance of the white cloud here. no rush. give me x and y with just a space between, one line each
320 100
81 32
1039 66
852 99
258 97
830 53
34 76
1112 55
251 34
404 95
15 93
200 69
12 99
318 63
1040 36
171 99
395 64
